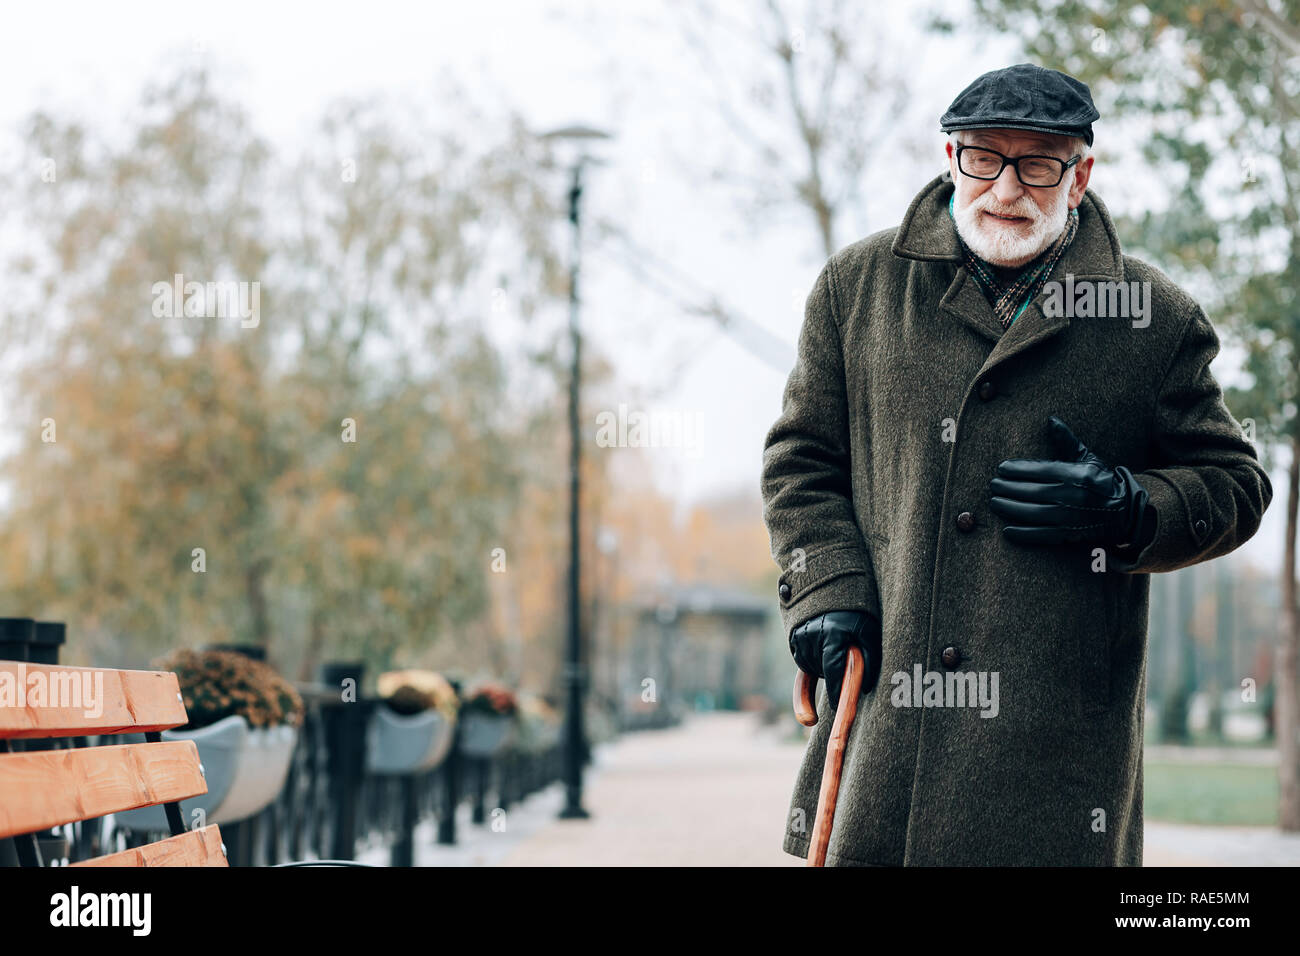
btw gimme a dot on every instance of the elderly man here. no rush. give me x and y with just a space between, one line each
972 478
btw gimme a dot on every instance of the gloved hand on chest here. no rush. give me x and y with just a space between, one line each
1075 498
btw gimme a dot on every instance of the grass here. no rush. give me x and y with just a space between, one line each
1214 794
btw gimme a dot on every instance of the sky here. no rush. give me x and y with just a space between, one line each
556 63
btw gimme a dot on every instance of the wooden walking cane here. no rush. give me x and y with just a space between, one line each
805 711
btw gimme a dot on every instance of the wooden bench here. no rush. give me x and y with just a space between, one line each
49 788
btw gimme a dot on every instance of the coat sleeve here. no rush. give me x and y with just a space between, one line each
1208 487
807 492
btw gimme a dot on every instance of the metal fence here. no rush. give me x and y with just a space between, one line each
330 803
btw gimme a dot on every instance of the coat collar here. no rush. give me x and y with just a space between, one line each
927 233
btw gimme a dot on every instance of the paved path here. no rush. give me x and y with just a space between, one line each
1177 844
714 792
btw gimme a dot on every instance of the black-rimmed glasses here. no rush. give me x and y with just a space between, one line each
980 163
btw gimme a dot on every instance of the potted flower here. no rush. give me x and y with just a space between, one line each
487 717
412 731
539 724
244 719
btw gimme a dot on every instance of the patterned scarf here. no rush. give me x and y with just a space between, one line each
1011 300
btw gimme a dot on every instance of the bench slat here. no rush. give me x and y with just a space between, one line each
201 847
52 787
104 701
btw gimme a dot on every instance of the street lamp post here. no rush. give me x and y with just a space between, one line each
574 737
602 620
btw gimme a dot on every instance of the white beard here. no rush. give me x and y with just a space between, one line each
1007 245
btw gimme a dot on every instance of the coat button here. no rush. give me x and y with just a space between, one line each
1201 526
965 521
987 390
951 657
784 591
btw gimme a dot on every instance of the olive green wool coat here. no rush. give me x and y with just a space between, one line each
905 396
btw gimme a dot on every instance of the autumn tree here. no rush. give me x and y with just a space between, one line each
325 476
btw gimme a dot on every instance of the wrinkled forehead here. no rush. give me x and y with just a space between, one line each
1016 142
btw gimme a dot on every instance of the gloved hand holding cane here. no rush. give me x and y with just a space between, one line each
844 647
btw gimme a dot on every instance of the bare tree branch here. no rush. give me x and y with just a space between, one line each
694 298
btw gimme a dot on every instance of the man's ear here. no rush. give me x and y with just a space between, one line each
952 160
1082 173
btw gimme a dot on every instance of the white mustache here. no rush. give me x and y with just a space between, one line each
1029 211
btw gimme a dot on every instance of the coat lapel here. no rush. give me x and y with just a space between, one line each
927 234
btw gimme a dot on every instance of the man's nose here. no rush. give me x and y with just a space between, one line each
1008 187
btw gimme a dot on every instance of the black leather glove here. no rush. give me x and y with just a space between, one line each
821 648
1074 499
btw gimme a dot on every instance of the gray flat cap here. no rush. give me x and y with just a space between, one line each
1024 96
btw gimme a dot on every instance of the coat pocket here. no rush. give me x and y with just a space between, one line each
1095 631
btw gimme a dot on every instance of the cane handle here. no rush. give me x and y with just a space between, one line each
805 698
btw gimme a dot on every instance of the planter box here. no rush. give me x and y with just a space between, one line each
245 770
535 735
484 735
401 744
